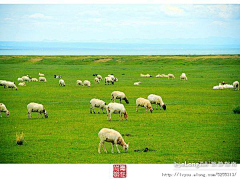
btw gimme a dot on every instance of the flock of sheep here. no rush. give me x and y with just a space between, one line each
105 134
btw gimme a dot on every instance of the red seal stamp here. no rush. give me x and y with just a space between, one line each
119 171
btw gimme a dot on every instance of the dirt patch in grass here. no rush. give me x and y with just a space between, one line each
144 150
103 60
34 60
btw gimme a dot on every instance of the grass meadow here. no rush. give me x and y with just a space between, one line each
199 124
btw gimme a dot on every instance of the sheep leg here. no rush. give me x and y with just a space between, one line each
146 109
156 106
112 148
104 147
117 147
91 109
29 115
99 147
103 111
0 114
99 110
94 110
120 101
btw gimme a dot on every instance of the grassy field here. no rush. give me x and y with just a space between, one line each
199 124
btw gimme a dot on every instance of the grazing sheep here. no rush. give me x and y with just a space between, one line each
109 80
171 76
155 99
86 83
158 76
227 86
26 78
183 76
99 77
98 104
62 82
144 103
147 75
137 83
113 136
119 95
42 79
4 109
35 107
41 74
116 108
34 79
9 84
22 84
20 79
79 82
57 76
96 80
236 85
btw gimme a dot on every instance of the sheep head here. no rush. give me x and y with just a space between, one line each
164 106
7 113
150 109
126 100
45 113
125 147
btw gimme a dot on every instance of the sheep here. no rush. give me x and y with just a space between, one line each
86 83
26 78
144 103
57 76
147 75
62 82
113 136
158 76
22 84
9 84
35 107
155 99
236 85
34 79
41 74
227 86
79 82
183 76
4 109
97 103
119 95
20 79
109 80
136 83
99 77
42 79
96 80
171 76
220 86
116 108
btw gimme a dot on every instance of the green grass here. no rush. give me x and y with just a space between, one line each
198 125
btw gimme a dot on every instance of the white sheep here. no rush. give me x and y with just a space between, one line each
171 76
22 84
220 86
79 82
86 83
34 79
136 83
98 104
26 78
96 80
119 95
143 103
61 82
155 99
116 108
20 79
158 76
236 85
3 108
227 86
183 76
147 75
42 79
113 136
99 77
35 107
9 84
41 74
109 80
2 82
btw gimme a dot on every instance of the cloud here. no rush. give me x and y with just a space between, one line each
40 16
173 11
220 23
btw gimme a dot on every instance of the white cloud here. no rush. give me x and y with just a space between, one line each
173 11
40 16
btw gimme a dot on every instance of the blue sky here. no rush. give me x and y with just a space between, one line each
117 23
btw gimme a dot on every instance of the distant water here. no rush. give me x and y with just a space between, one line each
59 48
